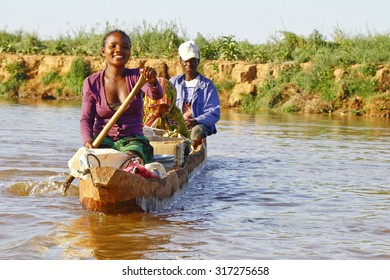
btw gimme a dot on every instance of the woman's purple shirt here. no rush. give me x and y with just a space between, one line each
95 112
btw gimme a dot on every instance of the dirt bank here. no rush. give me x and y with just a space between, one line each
245 77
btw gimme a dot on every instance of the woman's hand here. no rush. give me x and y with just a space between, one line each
88 145
150 74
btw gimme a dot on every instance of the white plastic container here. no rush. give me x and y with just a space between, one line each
166 160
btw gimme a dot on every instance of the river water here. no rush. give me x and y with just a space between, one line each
275 186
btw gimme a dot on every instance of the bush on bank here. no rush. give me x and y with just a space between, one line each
359 56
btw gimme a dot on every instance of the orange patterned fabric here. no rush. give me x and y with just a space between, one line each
163 113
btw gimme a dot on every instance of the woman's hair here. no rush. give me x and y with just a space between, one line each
112 32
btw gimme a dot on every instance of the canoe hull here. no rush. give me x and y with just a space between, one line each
112 191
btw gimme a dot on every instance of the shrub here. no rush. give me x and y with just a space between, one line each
228 48
50 78
18 73
79 70
160 40
356 84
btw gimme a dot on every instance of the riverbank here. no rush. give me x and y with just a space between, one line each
356 89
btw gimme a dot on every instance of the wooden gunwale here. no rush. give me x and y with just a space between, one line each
113 191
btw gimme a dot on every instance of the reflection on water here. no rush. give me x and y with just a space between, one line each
136 236
276 186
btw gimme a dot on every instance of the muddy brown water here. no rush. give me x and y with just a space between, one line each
275 186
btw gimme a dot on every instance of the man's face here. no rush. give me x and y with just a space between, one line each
190 67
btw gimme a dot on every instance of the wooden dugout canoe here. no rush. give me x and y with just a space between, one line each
110 190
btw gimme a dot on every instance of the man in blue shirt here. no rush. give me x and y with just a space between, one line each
197 96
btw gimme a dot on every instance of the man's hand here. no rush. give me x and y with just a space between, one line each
191 122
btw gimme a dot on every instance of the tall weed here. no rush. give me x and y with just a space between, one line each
79 70
18 74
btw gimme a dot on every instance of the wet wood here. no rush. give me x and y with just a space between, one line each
112 191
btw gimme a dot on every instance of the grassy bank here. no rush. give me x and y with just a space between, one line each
358 57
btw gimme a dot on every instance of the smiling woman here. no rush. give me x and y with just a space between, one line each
111 117
105 91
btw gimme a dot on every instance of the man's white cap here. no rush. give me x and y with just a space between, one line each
188 50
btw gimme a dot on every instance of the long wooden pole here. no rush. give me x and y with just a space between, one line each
98 140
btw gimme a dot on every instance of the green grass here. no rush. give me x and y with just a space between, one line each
79 70
18 75
50 78
161 40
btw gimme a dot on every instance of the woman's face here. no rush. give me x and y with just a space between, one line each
117 49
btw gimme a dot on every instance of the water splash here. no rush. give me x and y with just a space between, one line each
20 188
48 186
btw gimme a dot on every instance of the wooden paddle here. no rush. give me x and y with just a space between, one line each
98 140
